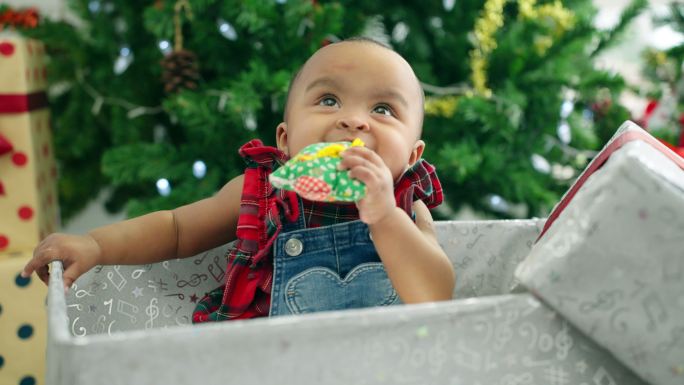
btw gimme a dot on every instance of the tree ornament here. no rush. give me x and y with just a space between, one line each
180 69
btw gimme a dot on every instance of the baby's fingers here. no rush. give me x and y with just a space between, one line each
42 255
71 273
43 273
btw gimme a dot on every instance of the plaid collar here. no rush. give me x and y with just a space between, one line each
249 274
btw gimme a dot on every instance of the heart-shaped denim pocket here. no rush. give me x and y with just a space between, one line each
321 289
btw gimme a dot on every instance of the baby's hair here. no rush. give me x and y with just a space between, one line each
358 39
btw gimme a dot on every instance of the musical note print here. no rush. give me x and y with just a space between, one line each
99 325
127 309
110 303
195 280
137 273
220 271
81 330
470 245
198 261
157 285
169 311
121 279
180 296
152 311
78 306
605 300
655 310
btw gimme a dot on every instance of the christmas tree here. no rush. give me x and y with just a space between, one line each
664 114
152 99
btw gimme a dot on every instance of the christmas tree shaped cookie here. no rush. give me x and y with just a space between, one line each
313 174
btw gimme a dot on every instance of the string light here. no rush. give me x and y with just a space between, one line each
227 30
124 60
99 100
497 203
566 108
540 164
399 32
564 133
199 169
94 6
163 187
249 121
165 47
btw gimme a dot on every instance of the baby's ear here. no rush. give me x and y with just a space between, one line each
281 137
417 152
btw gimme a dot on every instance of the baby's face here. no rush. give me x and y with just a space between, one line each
356 90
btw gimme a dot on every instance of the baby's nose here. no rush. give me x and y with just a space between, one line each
353 123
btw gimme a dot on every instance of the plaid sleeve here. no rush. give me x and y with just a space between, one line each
420 182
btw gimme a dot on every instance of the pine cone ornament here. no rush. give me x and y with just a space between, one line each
180 71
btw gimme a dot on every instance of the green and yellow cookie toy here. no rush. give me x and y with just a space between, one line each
313 174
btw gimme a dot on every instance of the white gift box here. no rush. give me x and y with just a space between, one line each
611 256
129 325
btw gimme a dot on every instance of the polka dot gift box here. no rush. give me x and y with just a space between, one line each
28 206
313 174
22 323
28 200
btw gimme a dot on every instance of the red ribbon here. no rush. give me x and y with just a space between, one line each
598 162
16 103
27 18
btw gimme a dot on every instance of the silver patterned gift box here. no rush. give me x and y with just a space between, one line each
611 257
130 325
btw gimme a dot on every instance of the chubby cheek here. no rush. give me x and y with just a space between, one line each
395 161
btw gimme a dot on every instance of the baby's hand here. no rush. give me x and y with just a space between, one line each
367 166
78 253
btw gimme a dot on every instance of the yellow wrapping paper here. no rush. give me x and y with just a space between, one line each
22 322
28 197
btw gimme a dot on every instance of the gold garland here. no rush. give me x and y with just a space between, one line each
557 18
441 106
554 16
491 19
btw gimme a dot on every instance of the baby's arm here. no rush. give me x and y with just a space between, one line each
417 266
158 236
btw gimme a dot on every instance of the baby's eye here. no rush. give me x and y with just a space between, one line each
328 101
383 109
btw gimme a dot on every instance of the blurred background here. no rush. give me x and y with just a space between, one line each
151 99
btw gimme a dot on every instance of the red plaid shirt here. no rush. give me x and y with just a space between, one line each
249 275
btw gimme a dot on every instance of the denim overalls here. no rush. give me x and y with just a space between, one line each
332 267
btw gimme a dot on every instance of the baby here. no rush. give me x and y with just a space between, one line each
292 255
